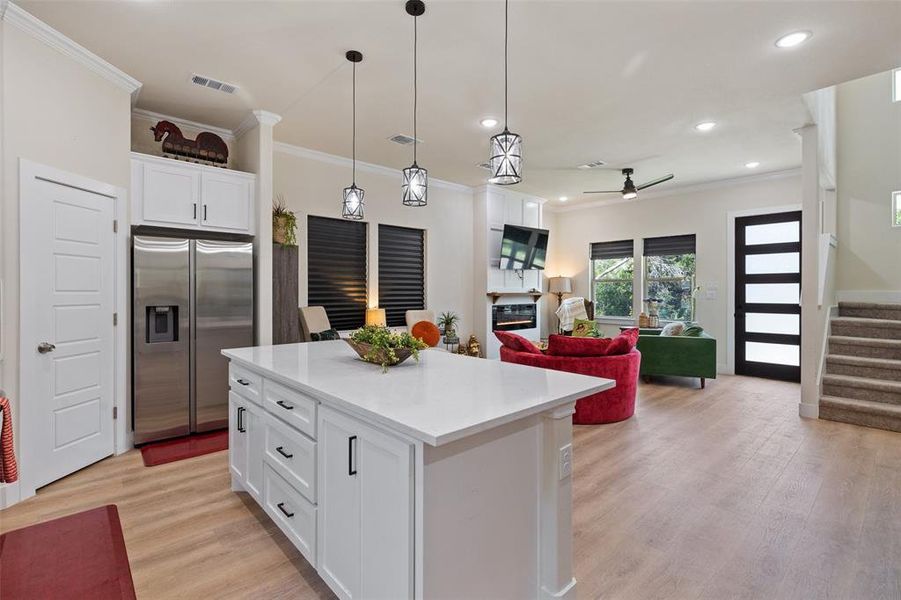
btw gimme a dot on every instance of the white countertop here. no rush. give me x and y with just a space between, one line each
445 397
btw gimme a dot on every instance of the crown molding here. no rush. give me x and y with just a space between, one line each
681 190
226 134
28 23
365 167
500 189
254 118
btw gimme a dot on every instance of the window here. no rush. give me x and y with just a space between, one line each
401 272
669 267
612 273
896 209
336 270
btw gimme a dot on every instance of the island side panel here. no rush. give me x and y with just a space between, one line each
485 513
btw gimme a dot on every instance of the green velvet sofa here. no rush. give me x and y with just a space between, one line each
679 356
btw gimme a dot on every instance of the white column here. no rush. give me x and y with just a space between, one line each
255 148
811 331
555 538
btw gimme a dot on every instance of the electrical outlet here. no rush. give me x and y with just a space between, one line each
566 461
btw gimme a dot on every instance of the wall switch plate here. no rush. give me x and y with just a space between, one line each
711 292
566 462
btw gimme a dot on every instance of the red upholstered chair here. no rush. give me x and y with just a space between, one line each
610 406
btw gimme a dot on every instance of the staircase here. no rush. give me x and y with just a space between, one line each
862 378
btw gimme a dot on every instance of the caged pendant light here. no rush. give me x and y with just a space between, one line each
352 207
506 147
415 186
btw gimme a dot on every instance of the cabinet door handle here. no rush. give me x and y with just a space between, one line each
195 210
281 507
351 452
285 406
241 410
281 450
243 382
204 212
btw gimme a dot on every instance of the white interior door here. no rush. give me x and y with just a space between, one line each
67 267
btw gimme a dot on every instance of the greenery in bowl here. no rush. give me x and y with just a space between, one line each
284 223
448 322
385 347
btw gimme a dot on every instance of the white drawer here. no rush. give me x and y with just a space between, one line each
245 382
292 455
293 514
292 407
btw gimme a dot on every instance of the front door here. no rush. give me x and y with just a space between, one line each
67 267
768 296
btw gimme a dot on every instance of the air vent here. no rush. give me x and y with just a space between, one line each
228 88
592 165
403 140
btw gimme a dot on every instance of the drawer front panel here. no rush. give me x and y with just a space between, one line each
292 455
294 408
245 382
293 514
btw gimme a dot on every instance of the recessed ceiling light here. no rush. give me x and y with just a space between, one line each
563 198
488 122
753 164
705 126
793 39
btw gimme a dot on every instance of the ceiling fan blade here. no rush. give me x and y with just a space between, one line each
654 182
604 192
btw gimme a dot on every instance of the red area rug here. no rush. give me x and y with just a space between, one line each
167 451
79 556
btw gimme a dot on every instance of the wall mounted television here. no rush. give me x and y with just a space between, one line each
523 248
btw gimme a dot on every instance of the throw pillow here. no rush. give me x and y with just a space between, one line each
428 332
693 331
324 336
623 343
584 328
562 345
516 342
674 328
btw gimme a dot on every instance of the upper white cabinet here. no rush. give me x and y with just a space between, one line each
169 193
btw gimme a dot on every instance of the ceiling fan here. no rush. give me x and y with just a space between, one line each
630 190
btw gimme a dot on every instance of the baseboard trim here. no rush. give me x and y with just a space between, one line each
9 494
875 296
568 592
808 411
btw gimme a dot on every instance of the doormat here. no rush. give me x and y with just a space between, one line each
168 451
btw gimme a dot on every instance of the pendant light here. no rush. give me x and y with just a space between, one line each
416 179
352 207
506 147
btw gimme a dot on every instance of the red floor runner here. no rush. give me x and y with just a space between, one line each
181 448
79 556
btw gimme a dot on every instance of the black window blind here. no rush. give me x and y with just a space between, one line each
336 270
618 249
401 272
669 245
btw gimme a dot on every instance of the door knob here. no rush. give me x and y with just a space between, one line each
45 347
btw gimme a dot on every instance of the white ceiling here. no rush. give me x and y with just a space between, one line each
623 82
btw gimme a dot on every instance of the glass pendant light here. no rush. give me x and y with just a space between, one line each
415 186
506 147
352 208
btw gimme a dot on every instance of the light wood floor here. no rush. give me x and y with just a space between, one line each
720 493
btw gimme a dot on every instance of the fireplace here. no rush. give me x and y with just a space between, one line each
510 317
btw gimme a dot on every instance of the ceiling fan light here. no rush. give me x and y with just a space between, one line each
415 186
352 208
506 158
630 194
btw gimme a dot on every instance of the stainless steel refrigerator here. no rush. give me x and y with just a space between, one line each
190 299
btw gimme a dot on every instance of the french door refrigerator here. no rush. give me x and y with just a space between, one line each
190 298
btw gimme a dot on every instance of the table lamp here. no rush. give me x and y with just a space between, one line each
375 316
560 285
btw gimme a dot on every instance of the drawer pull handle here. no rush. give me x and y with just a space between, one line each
281 450
241 428
285 406
243 382
281 507
351 452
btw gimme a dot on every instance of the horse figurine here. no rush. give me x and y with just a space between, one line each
208 146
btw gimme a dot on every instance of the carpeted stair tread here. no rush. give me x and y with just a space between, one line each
861 412
864 361
860 346
865 341
867 328
864 366
864 321
863 382
871 310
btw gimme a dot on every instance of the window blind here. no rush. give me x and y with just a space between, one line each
620 249
401 272
669 245
336 270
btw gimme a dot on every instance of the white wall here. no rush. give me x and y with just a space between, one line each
57 112
702 210
869 170
312 184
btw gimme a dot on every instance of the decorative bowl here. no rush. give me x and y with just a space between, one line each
381 355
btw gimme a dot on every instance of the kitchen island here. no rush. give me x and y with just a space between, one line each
447 478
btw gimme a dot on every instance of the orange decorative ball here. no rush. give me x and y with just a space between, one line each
428 332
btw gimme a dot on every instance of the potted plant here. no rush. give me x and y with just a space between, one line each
448 322
284 223
379 345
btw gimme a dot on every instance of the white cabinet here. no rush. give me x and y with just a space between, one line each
246 433
170 193
237 438
365 533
